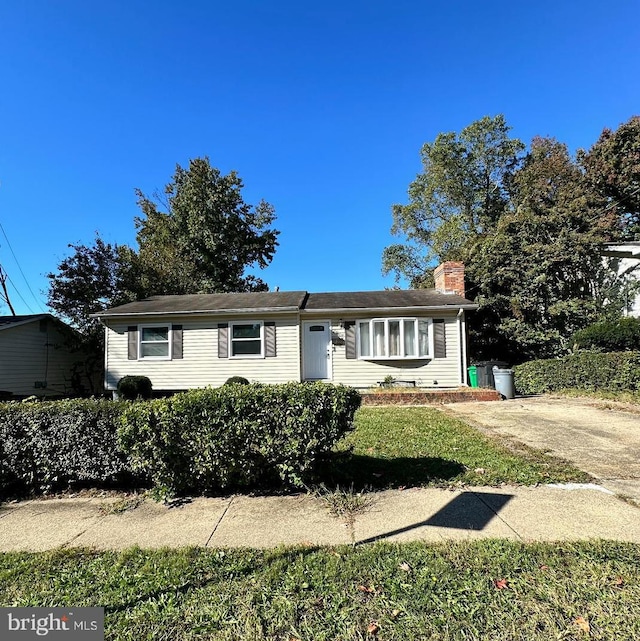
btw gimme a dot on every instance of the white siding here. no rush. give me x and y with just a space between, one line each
435 372
28 354
200 365
631 266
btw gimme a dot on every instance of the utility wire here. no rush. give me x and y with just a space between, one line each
4 233
18 292
616 203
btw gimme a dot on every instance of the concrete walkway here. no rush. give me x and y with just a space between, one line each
544 513
599 437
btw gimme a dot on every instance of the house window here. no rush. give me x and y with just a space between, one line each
394 338
154 341
247 340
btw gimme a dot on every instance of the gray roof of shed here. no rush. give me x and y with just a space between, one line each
9 321
288 301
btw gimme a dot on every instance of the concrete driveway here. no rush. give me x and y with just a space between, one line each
599 437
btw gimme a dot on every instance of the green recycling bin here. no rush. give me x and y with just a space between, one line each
473 376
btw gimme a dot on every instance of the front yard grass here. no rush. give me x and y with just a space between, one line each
487 589
408 446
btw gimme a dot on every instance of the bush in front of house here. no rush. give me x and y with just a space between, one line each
236 435
236 380
620 335
584 370
132 388
59 444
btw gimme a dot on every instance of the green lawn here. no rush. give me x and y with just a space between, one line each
491 589
494 590
404 446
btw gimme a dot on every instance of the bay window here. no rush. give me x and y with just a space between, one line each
394 338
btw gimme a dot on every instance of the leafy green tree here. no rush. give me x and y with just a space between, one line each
206 238
91 279
539 273
612 168
460 195
529 228
204 241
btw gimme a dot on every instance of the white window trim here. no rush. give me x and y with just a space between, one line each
231 339
169 355
386 320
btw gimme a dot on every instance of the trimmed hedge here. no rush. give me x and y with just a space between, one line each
56 444
620 335
236 435
612 371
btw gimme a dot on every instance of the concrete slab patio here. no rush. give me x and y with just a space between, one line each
520 513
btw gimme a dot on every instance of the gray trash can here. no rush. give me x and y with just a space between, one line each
504 382
484 372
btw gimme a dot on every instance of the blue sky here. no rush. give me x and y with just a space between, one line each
320 107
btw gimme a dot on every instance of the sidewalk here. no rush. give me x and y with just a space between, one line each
544 513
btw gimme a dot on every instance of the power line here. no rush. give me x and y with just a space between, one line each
5 293
20 268
18 292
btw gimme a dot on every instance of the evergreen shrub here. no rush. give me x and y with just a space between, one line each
132 388
236 435
584 370
59 444
236 380
619 335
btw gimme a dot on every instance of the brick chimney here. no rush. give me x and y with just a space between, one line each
449 278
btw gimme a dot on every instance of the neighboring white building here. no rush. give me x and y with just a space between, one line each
354 338
36 356
625 260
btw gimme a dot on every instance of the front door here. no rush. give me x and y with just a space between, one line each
316 355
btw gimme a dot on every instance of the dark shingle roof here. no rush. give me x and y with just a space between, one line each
287 301
202 303
384 299
8 321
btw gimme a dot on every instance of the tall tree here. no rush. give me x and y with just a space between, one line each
529 229
91 279
206 238
612 168
539 275
460 194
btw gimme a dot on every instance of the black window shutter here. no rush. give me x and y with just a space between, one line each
132 338
223 340
269 339
176 340
350 339
439 338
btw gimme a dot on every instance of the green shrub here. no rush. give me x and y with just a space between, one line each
237 380
57 444
587 370
236 435
132 388
620 335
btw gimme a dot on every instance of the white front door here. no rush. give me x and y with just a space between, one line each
316 355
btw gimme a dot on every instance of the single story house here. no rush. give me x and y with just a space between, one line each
355 338
38 357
